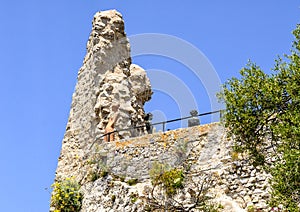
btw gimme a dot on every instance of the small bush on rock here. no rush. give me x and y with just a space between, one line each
176 189
158 169
66 196
170 180
132 182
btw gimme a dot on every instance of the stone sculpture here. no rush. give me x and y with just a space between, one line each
194 120
148 119
109 129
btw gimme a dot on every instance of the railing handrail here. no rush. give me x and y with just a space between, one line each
157 123
187 117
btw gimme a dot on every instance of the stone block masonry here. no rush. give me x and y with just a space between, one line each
203 149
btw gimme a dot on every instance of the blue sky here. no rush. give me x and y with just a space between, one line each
42 47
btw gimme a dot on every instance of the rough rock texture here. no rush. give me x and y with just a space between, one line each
204 149
108 86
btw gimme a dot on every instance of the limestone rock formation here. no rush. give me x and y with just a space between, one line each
112 90
108 87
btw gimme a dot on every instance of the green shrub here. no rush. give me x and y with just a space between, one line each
147 208
262 111
251 208
122 178
66 196
103 173
212 207
158 169
170 180
97 162
134 197
93 176
132 182
234 155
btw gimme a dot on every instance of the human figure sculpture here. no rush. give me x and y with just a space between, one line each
109 129
148 118
194 120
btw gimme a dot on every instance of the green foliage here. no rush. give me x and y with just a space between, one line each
147 208
263 112
132 182
250 103
113 198
211 207
122 178
95 174
234 155
97 161
103 173
171 184
134 197
286 181
251 208
66 196
181 148
158 169
170 180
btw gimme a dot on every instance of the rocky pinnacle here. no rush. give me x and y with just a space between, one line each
108 86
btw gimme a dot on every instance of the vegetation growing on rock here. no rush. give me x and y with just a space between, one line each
175 189
170 180
66 196
262 114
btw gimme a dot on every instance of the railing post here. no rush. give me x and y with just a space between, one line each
164 126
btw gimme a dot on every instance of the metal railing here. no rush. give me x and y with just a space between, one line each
163 123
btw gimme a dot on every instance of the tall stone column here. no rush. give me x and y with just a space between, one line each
108 86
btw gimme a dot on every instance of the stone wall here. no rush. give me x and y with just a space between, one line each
204 149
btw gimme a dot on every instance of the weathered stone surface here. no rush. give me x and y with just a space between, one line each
202 148
108 87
